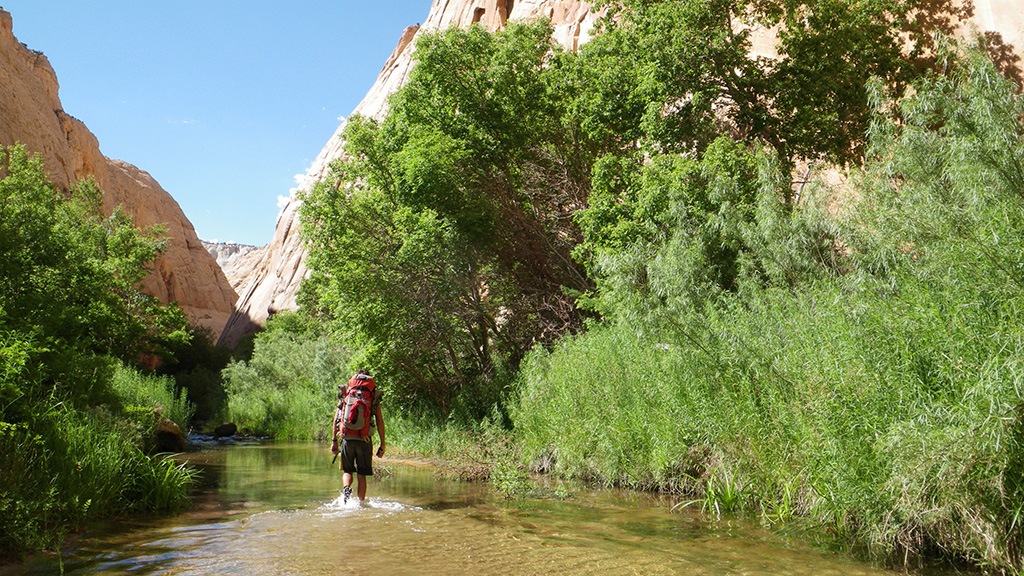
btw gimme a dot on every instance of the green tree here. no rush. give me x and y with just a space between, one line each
677 233
675 75
69 277
70 314
442 245
881 399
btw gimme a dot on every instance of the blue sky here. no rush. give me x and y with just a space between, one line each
222 101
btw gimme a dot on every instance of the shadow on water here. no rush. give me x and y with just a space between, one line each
276 509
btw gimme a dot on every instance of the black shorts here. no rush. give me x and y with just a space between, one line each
357 457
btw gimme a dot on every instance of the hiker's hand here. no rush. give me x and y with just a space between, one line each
380 451
334 446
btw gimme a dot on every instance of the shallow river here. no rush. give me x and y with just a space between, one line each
273 509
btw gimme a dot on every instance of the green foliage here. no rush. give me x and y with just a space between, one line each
68 277
70 318
152 395
482 451
288 388
441 247
874 391
676 75
196 366
65 468
853 365
679 217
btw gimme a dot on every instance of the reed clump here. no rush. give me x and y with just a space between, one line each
67 467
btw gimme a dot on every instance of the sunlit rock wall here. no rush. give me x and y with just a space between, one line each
31 114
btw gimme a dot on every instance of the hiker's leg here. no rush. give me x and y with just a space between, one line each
348 463
361 488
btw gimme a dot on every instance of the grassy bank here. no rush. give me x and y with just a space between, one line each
808 411
65 468
880 399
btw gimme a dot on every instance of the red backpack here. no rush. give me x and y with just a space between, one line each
357 406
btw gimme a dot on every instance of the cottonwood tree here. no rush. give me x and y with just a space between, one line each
675 75
443 242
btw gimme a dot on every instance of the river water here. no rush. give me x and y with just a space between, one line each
274 509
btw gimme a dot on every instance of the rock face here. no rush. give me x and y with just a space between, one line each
268 279
31 113
226 253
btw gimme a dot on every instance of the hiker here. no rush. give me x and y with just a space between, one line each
357 414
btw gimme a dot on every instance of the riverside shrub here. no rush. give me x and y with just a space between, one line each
70 319
288 389
879 398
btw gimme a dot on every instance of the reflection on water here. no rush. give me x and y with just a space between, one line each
275 509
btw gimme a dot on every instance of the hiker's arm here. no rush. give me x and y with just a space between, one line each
380 430
334 431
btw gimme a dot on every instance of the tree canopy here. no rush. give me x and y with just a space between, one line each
443 241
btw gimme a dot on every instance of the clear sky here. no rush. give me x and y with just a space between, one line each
222 101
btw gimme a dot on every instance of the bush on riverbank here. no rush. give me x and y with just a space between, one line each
485 451
196 368
288 389
70 319
152 395
65 468
880 399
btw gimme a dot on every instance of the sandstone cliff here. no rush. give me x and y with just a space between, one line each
226 253
31 113
268 279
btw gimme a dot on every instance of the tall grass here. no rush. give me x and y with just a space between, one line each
884 405
890 427
67 467
299 413
482 451
152 394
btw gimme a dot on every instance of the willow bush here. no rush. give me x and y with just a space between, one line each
288 389
879 397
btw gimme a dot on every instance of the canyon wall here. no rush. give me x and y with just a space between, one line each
268 279
31 114
226 253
